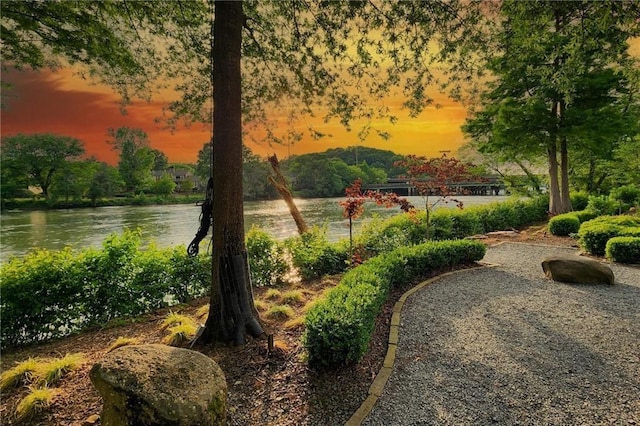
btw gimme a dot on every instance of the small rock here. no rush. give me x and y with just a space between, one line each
91 420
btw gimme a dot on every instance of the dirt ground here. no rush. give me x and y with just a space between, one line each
265 389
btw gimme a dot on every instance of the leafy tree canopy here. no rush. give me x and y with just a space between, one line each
36 158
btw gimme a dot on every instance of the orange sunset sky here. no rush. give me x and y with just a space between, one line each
63 103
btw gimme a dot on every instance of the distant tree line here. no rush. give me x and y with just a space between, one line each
313 175
55 165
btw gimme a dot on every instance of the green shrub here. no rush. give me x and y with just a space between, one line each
402 230
314 256
585 215
625 197
267 263
579 200
50 294
564 224
624 249
602 205
595 233
339 327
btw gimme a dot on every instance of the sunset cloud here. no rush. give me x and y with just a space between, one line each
62 102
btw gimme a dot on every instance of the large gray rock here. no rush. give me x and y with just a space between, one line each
575 269
160 385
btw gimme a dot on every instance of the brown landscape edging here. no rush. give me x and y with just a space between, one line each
376 388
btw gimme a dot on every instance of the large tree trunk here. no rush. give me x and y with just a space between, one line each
555 200
565 201
564 177
232 314
280 183
554 187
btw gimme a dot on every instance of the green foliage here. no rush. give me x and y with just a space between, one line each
585 215
35 159
626 196
163 186
564 224
329 173
267 262
602 205
624 249
595 233
136 157
49 294
314 256
573 59
339 327
402 230
579 200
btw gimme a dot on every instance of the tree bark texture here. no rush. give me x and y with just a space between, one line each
232 313
280 183
564 163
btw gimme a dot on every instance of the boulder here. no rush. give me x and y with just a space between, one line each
160 385
575 269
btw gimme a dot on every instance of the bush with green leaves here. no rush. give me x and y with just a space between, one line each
579 200
50 294
624 249
626 197
403 230
602 205
314 256
595 233
267 263
564 224
585 215
339 327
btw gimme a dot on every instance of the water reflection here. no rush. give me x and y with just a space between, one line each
174 224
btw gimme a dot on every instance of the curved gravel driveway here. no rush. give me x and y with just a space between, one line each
504 345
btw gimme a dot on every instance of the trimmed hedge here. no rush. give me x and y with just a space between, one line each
51 294
624 249
595 233
404 230
339 327
564 224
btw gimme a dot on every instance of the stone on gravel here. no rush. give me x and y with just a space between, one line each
160 385
579 270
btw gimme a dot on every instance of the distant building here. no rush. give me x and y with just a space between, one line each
181 176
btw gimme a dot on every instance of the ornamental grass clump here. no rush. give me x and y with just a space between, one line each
19 375
174 318
181 329
280 312
51 372
295 297
122 341
36 401
180 334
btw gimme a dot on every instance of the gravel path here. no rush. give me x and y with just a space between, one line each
504 345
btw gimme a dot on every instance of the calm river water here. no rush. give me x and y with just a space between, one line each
21 231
